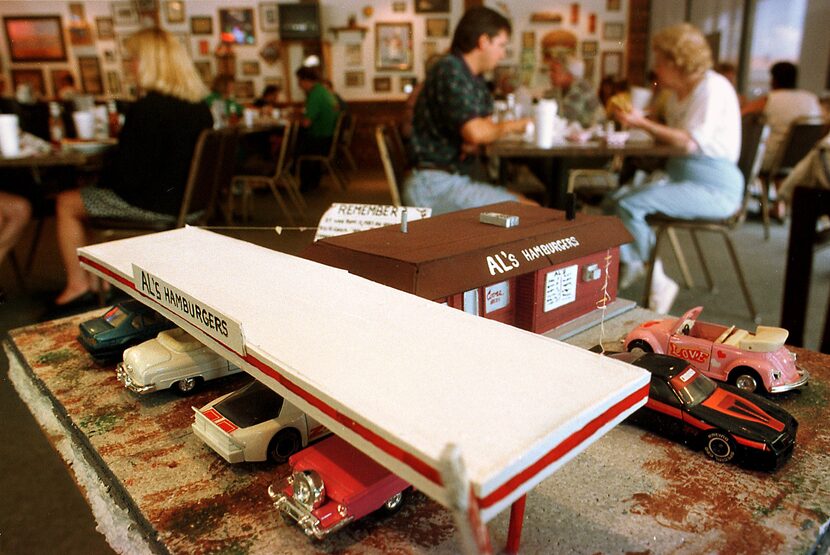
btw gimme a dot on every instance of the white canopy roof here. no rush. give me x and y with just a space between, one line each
398 376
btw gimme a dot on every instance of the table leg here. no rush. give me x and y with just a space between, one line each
514 532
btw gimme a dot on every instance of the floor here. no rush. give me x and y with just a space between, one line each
42 509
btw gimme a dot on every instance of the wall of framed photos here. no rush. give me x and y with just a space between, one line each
372 49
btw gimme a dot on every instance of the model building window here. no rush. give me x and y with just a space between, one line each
496 296
560 287
471 301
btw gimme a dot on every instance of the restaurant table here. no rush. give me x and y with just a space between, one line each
554 176
154 487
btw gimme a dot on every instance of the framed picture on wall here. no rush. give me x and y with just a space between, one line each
354 54
201 25
114 82
393 46
590 48
408 83
236 25
611 64
398 7
613 30
104 28
354 79
31 77
438 27
124 13
56 75
383 84
90 69
35 38
80 34
244 89
250 67
269 16
174 11
612 5
432 6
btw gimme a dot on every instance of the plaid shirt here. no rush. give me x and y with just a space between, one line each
581 104
451 97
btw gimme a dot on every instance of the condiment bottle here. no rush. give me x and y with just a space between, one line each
57 132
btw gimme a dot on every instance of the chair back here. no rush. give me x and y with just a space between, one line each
754 133
394 161
211 170
335 137
347 133
286 148
803 135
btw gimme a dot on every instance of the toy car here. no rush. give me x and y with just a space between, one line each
123 325
255 423
723 418
175 360
332 484
750 361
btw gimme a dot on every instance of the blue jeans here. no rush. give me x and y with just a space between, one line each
447 192
696 187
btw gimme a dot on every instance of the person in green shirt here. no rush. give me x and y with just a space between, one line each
319 120
222 95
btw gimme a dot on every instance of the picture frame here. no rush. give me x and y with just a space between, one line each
590 48
613 30
611 64
104 28
398 7
382 84
114 82
437 27
56 75
29 76
204 70
36 38
612 5
269 16
244 89
249 67
124 13
80 34
354 54
407 83
145 6
89 68
236 25
432 6
393 47
354 79
271 52
201 25
174 11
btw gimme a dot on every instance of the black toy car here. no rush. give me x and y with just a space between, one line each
724 419
123 325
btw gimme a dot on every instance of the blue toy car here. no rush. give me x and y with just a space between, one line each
123 325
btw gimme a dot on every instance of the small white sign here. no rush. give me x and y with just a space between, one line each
496 296
560 287
201 315
342 218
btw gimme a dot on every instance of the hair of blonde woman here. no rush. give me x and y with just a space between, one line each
686 47
164 66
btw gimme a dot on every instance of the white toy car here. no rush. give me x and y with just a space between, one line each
254 424
175 360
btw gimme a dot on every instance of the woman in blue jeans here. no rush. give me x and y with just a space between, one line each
703 117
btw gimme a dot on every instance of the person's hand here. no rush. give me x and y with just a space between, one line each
517 126
631 118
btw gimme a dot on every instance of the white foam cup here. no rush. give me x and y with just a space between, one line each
640 97
84 124
9 135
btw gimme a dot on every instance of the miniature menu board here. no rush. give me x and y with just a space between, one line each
398 376
343 218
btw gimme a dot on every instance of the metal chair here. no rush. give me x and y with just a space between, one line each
802 136
344 146
394 161
754 134
280 178
210 171
328 160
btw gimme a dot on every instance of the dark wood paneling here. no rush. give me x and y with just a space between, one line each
369 114
638 39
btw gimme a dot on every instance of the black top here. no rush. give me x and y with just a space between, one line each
155 147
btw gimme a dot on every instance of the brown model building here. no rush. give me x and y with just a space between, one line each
542 273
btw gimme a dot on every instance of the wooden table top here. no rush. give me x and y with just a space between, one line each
518 148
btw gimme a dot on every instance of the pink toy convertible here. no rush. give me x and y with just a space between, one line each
751 361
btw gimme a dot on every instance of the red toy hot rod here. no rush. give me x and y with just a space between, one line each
750 361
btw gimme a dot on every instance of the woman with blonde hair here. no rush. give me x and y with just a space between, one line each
149 169
703 118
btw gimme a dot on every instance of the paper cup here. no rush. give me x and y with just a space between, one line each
545 123
640 97
249 115
9 135
84 124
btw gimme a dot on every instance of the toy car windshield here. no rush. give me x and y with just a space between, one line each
253 404
693 388
115 316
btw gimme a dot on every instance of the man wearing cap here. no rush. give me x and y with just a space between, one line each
453 119
577 99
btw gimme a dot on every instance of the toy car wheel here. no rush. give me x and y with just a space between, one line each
640 344
186 386
719 447
284 444
393 504
745 379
